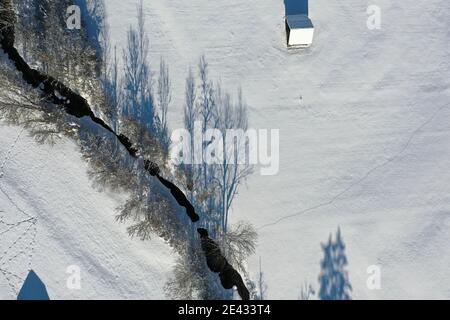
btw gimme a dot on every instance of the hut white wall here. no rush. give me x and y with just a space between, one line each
301 37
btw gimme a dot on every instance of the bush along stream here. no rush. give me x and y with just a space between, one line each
75 105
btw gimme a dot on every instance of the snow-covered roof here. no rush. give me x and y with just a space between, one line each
299 21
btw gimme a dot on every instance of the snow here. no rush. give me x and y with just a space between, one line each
68 222
363 118
364 133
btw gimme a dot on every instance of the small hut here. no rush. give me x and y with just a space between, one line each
299 31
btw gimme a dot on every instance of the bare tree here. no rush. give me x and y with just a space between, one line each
206 109
7 22
21 106
262 287
307 292
113 92
190 111
164 99
239 243
190 116
233 170
139 104
187 281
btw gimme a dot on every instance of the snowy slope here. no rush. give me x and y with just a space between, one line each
366 149
74 226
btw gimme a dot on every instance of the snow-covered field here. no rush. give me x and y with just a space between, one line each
367 148
74 226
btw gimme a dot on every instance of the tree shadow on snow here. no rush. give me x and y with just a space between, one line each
334 280
293 7
33 288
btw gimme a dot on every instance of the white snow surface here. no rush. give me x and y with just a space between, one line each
74 226
366 149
